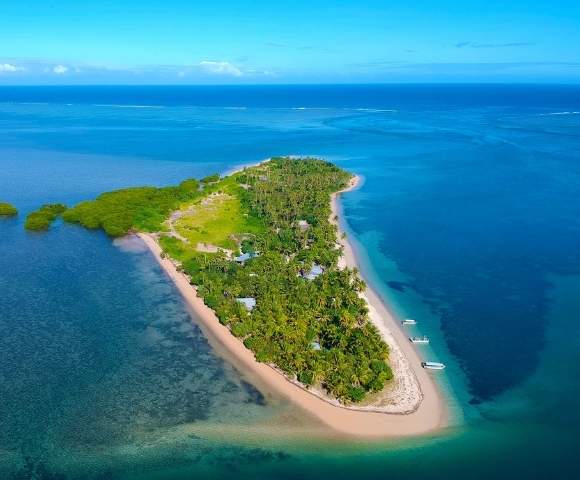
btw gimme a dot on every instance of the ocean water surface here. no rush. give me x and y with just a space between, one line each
468 220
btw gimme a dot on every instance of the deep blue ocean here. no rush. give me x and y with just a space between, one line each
468 220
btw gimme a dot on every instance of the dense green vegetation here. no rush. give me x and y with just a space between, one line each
210 178
316 331
42 218
7 210
132 209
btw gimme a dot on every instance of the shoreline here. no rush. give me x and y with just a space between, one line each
413 405
408 364
404 395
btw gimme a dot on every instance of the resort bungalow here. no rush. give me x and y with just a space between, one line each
303 225
314 272
248 302
245 257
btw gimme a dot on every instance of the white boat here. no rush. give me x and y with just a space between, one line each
433 365
420 340
409 321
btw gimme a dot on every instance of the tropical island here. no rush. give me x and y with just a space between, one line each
263 255
260 257
7 210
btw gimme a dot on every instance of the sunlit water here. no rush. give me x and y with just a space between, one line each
468 220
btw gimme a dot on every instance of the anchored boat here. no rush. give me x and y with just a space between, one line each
420 340
433 365
409 321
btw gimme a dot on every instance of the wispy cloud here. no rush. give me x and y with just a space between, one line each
220 68
492 45
470 71
10 68
393 65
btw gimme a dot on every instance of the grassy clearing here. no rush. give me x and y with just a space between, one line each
217 219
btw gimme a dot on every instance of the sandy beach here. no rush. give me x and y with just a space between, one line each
412 403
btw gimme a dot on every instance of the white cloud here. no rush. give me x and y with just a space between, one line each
60 69
9 68
220 68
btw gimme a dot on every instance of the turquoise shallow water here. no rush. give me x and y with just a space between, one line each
468 220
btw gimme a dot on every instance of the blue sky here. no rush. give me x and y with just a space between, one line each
214 42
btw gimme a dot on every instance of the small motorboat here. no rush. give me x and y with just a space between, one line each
433 365
424 340
409 321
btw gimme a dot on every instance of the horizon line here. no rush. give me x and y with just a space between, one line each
305 84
